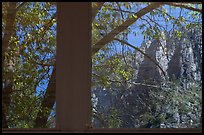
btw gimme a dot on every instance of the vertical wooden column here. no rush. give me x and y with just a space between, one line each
73 97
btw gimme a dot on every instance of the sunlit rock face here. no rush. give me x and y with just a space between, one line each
179 57
186 61
149 72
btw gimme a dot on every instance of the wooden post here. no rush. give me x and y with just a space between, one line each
73 96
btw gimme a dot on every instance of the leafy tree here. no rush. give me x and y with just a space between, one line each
173 107
29 44
29 48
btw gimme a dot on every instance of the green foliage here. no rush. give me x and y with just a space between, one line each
113 119
33 41
172 100
114 71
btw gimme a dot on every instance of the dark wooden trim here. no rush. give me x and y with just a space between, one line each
106 130
73 96
147 130
26 130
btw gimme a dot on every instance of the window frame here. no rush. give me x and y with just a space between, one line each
74 72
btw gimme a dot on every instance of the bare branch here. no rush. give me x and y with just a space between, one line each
125 11
143 84
134 83
167 14
155 22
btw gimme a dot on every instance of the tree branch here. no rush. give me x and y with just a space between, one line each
134 83
156 23
9 30
192 2
136 48
49 97
109 37
47 103
95 9
143 84
20 6
125 11
183 6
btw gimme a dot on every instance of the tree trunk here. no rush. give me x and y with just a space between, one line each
9 30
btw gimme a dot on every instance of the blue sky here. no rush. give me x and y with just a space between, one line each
139 38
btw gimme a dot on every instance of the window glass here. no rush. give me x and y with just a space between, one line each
29 52
146 65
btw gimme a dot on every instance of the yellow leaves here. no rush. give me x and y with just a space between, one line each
96 24
54 20
29 36
125 74
182 19
167 19
133 16
179 34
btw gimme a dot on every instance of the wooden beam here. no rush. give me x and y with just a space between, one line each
73 96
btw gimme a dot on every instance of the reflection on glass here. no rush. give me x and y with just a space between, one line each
29 45
148 75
